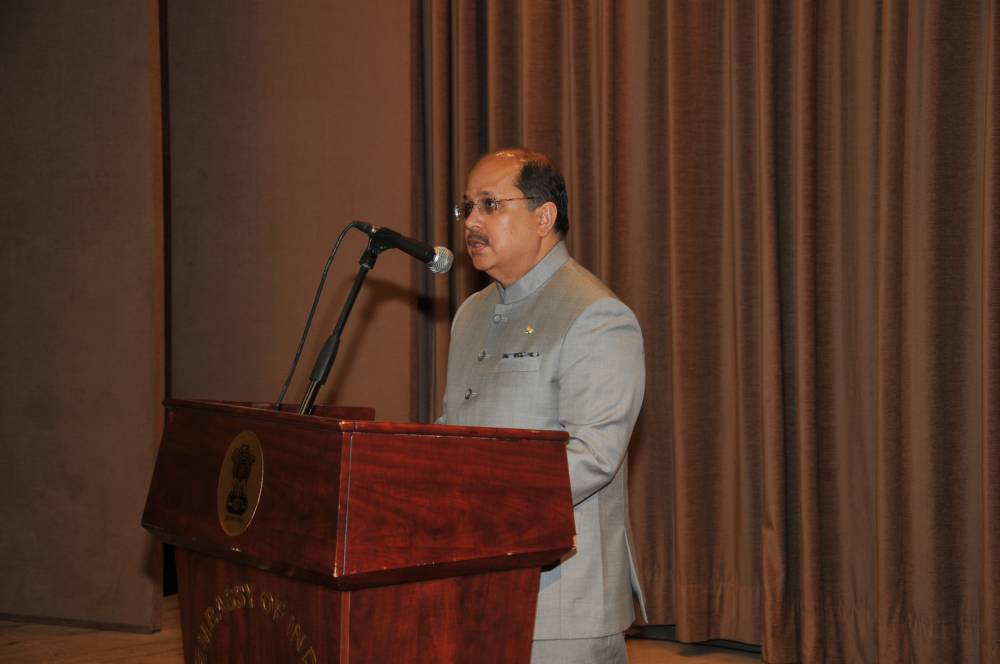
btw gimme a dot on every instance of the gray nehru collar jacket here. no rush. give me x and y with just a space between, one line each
557 350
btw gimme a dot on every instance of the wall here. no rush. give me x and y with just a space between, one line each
287 121
278 136
81 363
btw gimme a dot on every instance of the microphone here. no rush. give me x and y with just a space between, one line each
438 259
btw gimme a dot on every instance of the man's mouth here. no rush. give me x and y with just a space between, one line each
475 241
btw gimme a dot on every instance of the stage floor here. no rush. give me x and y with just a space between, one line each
23 643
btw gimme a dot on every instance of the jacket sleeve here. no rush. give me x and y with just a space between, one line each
602 380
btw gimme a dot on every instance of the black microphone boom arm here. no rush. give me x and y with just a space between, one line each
324 362
438 259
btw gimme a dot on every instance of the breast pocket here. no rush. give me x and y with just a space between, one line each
521 384
519 362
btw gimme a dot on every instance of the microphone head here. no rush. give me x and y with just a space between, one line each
443 258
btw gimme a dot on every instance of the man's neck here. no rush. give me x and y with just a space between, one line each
536 277
546 246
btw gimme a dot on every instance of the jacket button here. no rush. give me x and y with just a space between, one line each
482 355
470 394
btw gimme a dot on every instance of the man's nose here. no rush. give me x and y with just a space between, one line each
475 219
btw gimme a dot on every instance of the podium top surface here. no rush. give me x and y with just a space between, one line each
358 418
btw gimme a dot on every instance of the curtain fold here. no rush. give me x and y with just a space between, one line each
989 218
799 200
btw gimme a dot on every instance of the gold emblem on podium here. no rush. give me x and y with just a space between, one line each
240 481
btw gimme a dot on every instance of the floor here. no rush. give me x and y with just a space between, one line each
22 643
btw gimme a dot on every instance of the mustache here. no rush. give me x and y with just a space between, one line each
473 236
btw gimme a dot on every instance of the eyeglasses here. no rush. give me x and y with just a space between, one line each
487 206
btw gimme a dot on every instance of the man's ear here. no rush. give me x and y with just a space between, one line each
546 214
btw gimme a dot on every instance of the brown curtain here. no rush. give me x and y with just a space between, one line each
800 202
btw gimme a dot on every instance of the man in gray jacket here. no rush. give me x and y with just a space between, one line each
548 346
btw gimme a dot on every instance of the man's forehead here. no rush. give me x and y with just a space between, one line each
492 173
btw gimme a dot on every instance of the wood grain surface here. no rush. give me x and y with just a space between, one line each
354 503
372 542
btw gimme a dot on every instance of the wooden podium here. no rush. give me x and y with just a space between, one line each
335 538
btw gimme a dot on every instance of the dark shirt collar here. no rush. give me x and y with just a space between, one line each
536 276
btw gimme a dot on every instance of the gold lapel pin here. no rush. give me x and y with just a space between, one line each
529 330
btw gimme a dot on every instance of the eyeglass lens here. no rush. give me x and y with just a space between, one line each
488 205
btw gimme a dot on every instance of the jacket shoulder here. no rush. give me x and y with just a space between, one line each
486 297
578 288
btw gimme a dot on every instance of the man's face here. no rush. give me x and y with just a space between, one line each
507 243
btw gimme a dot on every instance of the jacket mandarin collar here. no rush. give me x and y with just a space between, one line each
536 276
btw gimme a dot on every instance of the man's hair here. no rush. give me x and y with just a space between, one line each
540 180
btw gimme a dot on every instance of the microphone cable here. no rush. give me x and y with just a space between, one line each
360 225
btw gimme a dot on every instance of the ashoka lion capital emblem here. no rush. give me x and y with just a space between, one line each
243 460
240 481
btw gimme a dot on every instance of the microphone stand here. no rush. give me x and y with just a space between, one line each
324 362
